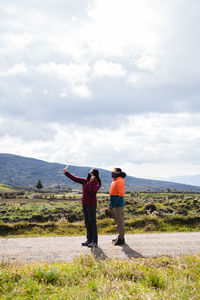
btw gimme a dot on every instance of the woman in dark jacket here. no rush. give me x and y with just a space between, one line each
91 185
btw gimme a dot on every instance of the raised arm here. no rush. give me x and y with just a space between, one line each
74 178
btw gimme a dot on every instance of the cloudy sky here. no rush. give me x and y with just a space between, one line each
102 83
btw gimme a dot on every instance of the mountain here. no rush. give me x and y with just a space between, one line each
188 179
25 171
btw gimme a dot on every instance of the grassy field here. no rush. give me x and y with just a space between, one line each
145 224
58 214
34 214
5 187
86 278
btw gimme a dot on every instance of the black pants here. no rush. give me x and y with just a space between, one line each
90 223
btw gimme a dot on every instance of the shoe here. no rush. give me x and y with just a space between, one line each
86 243
119 242
92 245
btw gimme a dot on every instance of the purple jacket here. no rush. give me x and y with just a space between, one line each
89 189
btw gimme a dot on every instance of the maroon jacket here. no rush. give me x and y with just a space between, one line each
89 189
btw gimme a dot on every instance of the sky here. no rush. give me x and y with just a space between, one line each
103 83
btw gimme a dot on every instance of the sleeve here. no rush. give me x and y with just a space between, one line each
75 178
93 187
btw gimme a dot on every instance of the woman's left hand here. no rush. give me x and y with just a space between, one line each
65 169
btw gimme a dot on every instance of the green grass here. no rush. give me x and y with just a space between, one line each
87 278
6 188
61 214
143 224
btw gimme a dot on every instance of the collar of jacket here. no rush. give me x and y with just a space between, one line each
117 178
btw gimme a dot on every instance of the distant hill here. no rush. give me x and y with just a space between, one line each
188 179
25 171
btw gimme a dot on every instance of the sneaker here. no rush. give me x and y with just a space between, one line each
86 243
119 242
92 245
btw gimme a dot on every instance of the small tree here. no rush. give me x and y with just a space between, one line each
39 185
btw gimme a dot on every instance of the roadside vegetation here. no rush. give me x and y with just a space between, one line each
28 213
87 278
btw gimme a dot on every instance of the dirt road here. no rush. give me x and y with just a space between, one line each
65 249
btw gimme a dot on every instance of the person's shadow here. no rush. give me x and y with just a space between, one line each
130 253
99 254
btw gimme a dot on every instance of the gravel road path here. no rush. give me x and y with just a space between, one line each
65 249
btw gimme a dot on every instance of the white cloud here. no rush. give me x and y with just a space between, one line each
126 59
124 27
63 95
10 9
147 62
24 132
45 91
70 44
15 70
82 91
15 41
27 90
105 68
149 146
146 79
74 74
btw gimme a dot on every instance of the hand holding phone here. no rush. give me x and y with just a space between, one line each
65 169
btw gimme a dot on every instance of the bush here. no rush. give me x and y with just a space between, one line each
151 207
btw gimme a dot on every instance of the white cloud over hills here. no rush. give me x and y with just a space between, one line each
104 83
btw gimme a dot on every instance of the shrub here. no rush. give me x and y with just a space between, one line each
151 207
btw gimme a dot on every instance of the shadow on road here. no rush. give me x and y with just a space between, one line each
130 252
98 253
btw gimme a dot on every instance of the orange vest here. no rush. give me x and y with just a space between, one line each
117 187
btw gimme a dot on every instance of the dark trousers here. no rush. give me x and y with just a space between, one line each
90 223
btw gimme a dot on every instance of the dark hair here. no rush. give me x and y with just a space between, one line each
118 170
95 172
